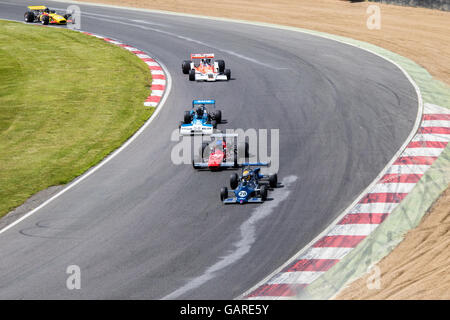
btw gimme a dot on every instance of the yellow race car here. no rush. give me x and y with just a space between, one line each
45 16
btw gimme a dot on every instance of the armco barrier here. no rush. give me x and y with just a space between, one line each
431 4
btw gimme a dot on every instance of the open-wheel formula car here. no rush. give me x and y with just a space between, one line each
250 187
203 67
44 15
200 120
221 153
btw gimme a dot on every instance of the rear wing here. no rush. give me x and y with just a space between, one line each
37 8
224 135
202 56
212 102
202 165
259 164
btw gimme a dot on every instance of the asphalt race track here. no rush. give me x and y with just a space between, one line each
143 228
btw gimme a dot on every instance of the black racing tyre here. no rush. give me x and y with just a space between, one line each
244 150
28 16
45 20
204 149
235 160
273 180
186 66
228 73
234 181
221 64
218 116
223 193
263 193
192 75
187 117
235 155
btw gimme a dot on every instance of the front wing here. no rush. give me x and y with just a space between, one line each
235 200
207 77
189 130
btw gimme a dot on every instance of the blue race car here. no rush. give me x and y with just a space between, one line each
249 187
199 120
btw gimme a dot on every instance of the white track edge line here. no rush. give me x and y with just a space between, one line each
105 160
371 185
411 135
281 27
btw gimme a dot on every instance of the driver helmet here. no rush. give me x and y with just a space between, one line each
47 10
216 145
246 175
199 111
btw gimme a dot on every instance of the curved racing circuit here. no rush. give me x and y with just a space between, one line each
143 227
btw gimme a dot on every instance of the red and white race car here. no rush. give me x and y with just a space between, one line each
203 67
221 153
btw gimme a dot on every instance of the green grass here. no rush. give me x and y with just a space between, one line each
66 101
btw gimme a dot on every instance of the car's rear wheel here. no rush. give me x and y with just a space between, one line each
204 150
221 65
244 150
273 180
218 116
29 17
192 75
228 73
187 117
235 160
234 181
197 159
186 66
223 193
263 193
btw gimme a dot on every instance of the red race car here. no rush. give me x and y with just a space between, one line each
220 153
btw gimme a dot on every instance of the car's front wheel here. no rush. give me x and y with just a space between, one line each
263 193
223 193
45 20
234 181
228 73
192 75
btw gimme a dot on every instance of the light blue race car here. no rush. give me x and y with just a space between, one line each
199 120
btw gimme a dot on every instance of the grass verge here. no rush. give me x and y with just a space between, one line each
66 101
